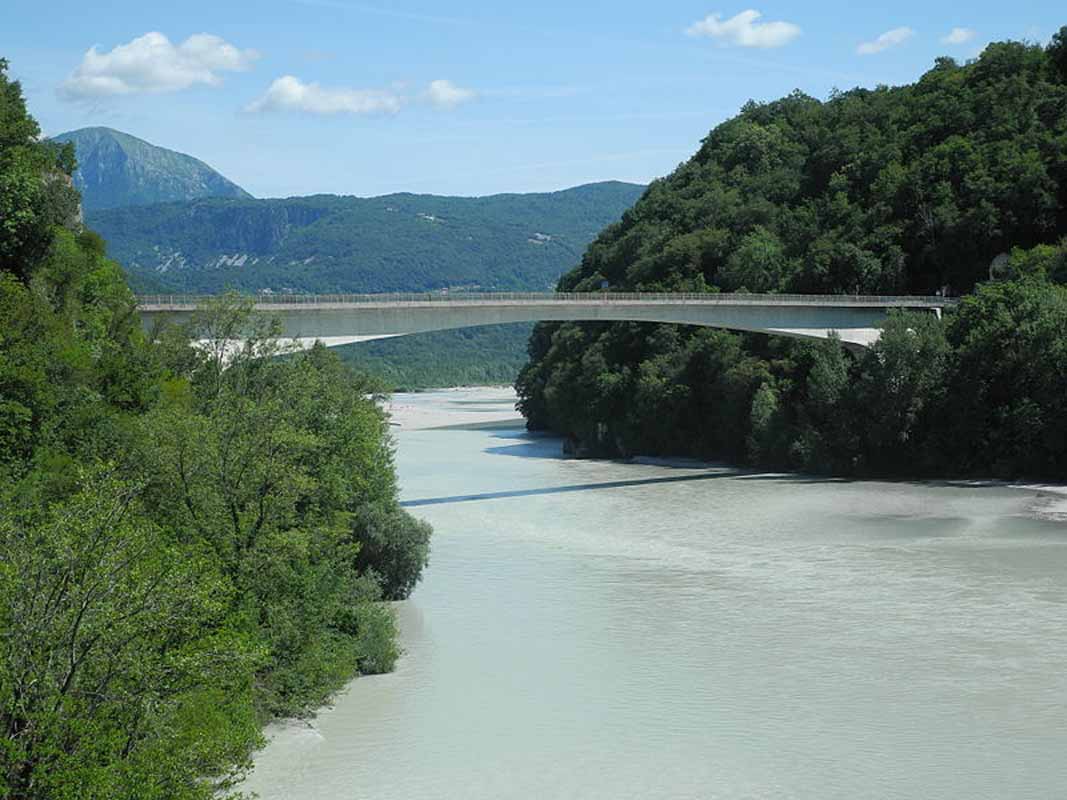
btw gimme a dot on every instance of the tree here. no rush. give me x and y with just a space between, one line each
757 265
827 440
900 388
393 546
280 464
1057 51
894 190
35 190
1006 386
1043 262
111 637
178 549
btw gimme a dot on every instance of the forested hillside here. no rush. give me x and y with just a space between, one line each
192 541
911 189
116 170
329 244
405 242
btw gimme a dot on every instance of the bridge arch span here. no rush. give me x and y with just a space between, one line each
342 319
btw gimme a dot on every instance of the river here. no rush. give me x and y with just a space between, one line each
592 629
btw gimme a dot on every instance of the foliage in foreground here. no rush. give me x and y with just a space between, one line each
893 190
192 539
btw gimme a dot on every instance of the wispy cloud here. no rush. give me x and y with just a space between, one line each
289 93
745 30
445 94
958 36
152 63
889 39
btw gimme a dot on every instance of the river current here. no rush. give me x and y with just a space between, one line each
592 629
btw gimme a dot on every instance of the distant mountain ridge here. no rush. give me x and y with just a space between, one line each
329 243
176 225
117 170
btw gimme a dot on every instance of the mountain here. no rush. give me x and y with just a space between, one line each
328 243
116 170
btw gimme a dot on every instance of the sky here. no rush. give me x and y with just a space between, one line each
296 97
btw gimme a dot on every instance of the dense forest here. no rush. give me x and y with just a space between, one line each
192 540
956 183
328 244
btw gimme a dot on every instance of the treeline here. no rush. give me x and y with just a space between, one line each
956 183
192 539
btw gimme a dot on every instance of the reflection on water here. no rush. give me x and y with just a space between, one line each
609 630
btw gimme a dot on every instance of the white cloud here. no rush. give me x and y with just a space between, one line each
152 63
958 36
744 30
892 38
445 94
289 93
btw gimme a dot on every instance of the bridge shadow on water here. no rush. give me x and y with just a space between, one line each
535 444
574 487
529 445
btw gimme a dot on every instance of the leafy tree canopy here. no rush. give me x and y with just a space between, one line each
940 185
192 538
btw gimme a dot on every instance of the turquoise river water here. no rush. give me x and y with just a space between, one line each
592 629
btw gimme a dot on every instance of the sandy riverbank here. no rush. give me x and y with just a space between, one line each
495 405
443 408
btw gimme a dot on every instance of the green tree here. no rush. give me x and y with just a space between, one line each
179 541
394 547
900 388
1043 262
1006 386
35 190
281 464
111 639
1057 51
894 190
757 265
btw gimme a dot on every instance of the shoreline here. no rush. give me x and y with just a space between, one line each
483 406
463 405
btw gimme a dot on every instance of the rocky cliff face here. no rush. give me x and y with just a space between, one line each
117 170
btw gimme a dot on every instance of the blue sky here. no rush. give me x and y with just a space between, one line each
290 97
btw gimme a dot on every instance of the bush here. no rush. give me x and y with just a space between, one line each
392 544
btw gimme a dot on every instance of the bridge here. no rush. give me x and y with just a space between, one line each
342 319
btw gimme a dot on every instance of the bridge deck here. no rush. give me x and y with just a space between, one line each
342 318
334 301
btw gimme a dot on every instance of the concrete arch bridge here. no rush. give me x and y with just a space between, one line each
342 319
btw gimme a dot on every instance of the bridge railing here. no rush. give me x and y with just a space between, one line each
182 301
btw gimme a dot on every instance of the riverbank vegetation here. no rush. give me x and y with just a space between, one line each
956 183
192 539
